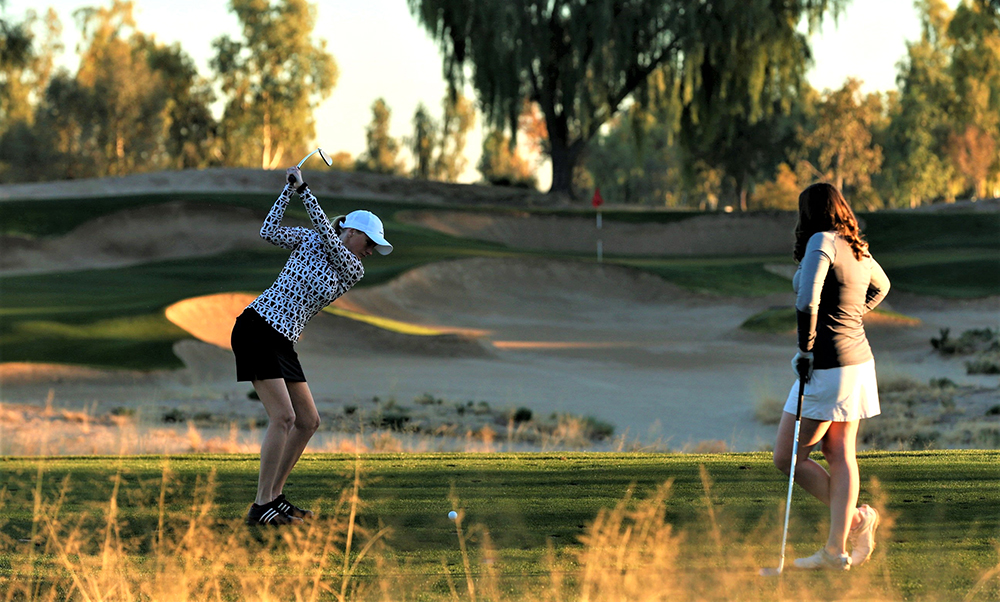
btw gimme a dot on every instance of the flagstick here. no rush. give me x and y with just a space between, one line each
600 246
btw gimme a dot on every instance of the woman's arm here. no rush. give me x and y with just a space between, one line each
342 260
272 231
819 256
878 288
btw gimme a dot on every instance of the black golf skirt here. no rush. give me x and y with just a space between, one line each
262 352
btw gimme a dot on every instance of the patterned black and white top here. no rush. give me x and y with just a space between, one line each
320 269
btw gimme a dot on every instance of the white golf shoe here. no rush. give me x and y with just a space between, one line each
824 560
862 537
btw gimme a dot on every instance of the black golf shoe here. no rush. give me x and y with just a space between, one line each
282 504
269 514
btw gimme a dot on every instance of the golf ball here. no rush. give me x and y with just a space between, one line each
453 515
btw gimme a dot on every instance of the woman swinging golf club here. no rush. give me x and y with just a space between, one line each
837 283
325 263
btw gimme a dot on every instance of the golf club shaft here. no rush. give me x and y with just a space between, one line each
791 469
788 502
307 156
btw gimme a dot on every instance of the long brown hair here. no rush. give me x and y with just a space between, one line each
822 208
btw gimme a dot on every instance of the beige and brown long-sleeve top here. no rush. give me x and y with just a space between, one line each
319 270
833 292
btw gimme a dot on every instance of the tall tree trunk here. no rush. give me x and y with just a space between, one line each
265 156
564 158
562 171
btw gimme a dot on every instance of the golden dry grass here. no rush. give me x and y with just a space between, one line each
628 553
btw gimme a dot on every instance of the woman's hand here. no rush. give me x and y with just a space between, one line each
802 365
294 176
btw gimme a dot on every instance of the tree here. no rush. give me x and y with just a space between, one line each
423 143
974 154
26 71
842 136
191 130
974 31
382 150
581 60
915 141
127 96
439 148
634 162
272 81
502 165
459 117
15 42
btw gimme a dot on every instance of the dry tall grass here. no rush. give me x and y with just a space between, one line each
27 430
629 553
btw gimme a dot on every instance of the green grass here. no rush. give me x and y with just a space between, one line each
723 276
896 231
946 531
781 320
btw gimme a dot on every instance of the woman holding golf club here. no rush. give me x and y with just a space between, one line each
837 283
324 264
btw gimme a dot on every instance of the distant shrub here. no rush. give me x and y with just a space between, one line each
987 363
428 400
970 341
174 415
522 415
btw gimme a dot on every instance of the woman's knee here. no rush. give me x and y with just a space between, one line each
783 461
307 422
283 419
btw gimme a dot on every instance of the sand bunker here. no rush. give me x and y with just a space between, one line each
211 318
492 287
134 236
714 234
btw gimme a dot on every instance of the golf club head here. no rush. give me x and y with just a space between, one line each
770 572
324 157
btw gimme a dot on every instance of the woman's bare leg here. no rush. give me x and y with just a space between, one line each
305 425
839 448
809 474
274 395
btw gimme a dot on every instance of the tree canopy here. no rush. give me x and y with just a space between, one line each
580 61
272 80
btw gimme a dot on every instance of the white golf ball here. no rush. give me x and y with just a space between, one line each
453 515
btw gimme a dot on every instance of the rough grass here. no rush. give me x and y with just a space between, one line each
531 526
781 320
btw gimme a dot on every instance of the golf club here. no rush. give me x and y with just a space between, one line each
769 572
322 155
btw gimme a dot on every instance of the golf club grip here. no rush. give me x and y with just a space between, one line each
802 388
291 179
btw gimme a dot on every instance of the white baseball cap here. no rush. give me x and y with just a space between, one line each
370 224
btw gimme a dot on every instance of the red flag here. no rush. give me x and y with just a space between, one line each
597 201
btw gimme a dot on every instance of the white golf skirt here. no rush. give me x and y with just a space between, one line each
839 394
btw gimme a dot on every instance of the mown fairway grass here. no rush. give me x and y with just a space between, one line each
114 317
945 506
